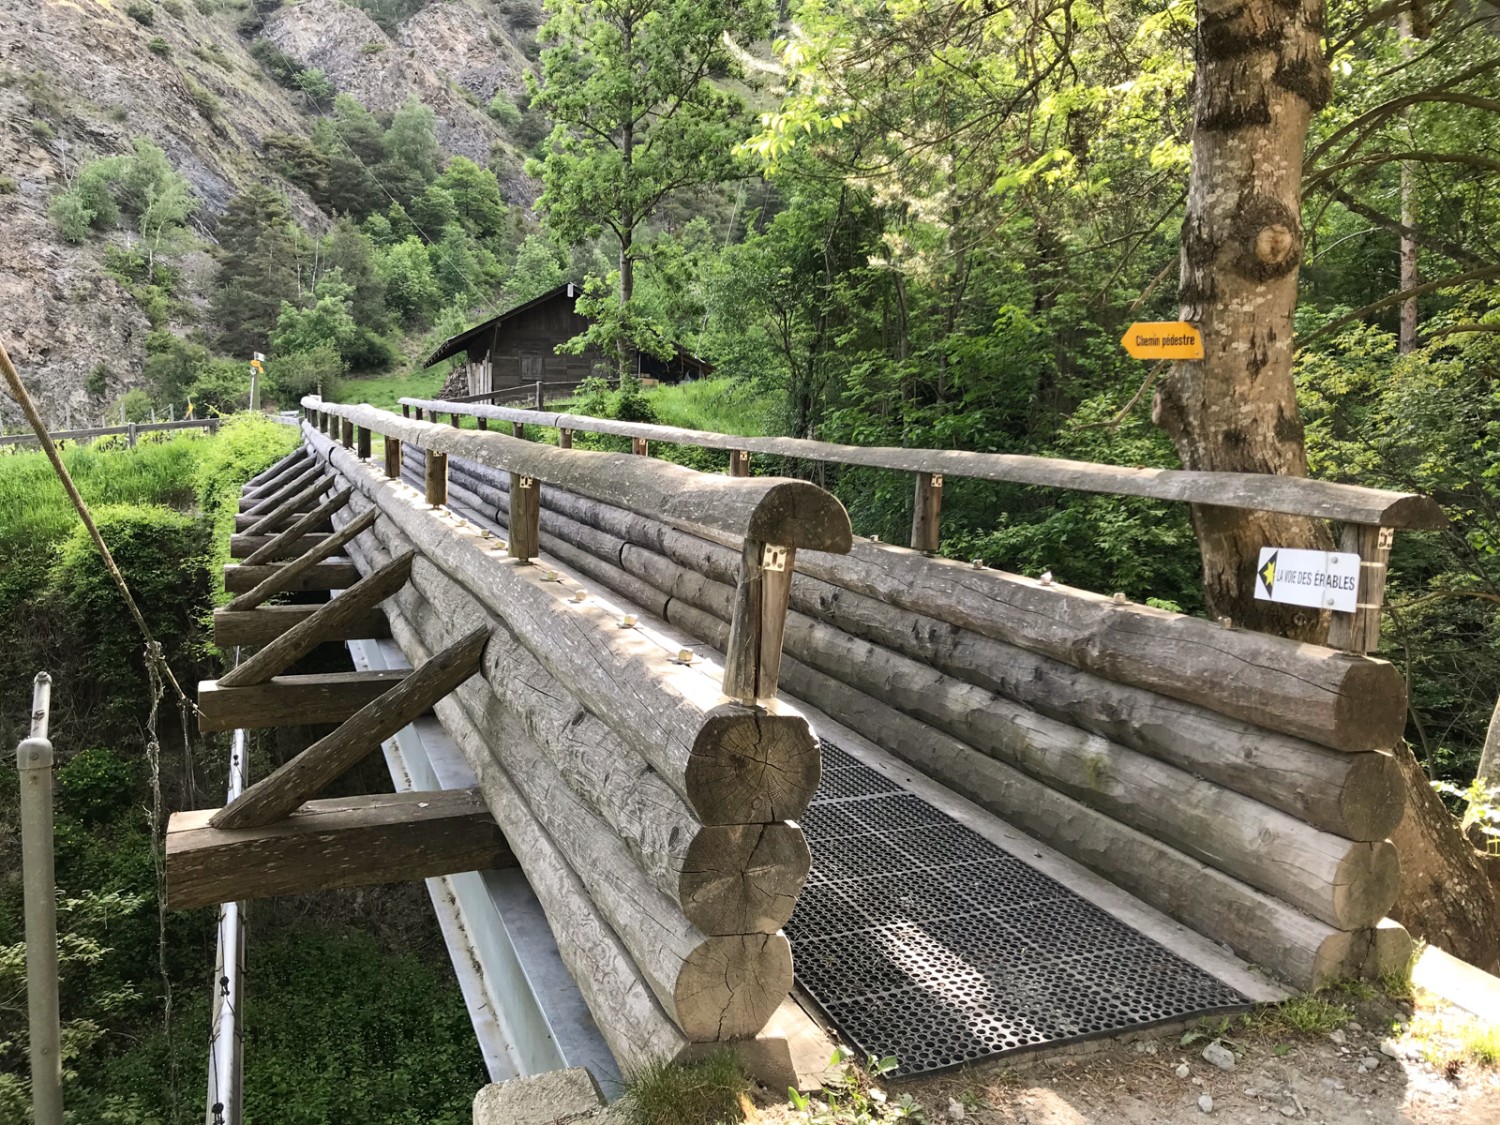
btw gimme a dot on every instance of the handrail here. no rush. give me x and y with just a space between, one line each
131 430
773 510
1266 492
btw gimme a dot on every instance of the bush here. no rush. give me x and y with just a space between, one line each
41 130
143 13
97 382
159 46
72 217
95 786
504 110
205 99
318 370
8 185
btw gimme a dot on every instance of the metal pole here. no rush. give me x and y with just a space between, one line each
34 760
225 1052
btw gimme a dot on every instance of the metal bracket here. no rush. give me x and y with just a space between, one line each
937 480
526 482
1387 538
773 558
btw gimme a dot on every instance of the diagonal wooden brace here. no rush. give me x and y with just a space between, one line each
289 509
302 526
267 502
282 579
305 776
328 621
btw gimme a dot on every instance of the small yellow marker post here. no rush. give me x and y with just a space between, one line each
1163 339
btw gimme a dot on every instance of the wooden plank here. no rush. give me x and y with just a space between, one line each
774 510
1253 491
281 577
265 623
329 574
304 525
306 775
285 701
927 507
435 478
341 842
331 617
525 537
266 475
243 545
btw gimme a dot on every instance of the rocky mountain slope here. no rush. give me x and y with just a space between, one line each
83 78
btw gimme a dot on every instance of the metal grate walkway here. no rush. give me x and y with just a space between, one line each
923 940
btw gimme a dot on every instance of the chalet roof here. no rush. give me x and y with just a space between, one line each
455 344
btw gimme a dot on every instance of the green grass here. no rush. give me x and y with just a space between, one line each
1313 1014
386 390
723 405
708 1092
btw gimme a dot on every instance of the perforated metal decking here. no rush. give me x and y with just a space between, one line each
921 939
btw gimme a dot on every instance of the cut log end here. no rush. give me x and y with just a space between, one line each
729 987
1371 710
1373 799
1368 879
748 766
744 878
799 514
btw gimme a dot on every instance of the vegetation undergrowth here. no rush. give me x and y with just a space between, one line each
710 1091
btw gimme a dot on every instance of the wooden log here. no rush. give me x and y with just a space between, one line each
258 482
264 624
243 523
436 478
293 484
288 701
773 510
1259 927
280 543
927 507
289 509
712 987
725 878
393 458
329 574
1355 795
730 763
281 577
525 536
362 443
306 775
332 617
341 842
243 546
638 1032
1264 492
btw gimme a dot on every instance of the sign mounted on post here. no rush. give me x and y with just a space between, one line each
1163 339
1317 579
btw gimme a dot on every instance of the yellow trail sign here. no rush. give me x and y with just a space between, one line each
1163 339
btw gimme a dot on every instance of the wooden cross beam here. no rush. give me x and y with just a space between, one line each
264 624
288 701
258 505
243 546
283 576
305 776
344 842
330 574
302 526
331 617
287 509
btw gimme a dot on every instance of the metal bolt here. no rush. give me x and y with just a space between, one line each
627 621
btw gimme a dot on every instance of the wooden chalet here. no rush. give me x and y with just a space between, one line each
518 348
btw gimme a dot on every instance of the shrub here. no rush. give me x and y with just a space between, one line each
7 185
504 110
72 216
41 130
143 13
373 47
95 786
159 46
205 99
97 382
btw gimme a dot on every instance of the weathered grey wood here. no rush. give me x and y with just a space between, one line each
329 574
1356 795
282 577
393 458
243 546
243 523
1254 491
436 478
773 510
289 509
304 525
731 764
725 878
565 438
288 701
261 480
1359 632
330 619
739 462
713 987
362 443
210 424
342 842
927 507
525 536
305 776
638 1032
291 485
752 661
1259 927
264 624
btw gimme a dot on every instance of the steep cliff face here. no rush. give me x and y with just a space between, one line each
83 78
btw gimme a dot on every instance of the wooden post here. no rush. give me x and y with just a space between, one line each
130 430
437 478
518 430
1359 632
456 420
393 458
538 394
564 439
928 505
419 413
481 421
346 433
362 442
752 659
739 462
405 410
525 518
639 446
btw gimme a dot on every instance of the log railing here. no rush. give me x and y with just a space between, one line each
1370 516
131 431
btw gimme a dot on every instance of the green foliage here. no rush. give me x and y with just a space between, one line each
259 254
315 84
172 364
143 13
710 1091
317 370
96 785
538 267
852 1098
142 186
135 405
503 109
221 386
159 46
280 65
8 185
206 101
97 383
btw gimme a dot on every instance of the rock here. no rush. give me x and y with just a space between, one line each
1338 1037
1389 1049
1183 1070
538 1099
1352 1026
1369 1062
1206 1103
955 1110
1288 1111
1145 1047
1219 1055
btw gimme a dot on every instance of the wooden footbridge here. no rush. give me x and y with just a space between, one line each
1035 813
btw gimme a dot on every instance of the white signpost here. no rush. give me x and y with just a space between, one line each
1317 579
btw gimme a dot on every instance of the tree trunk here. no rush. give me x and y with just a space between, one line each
1410 278
1489 758
1260 76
